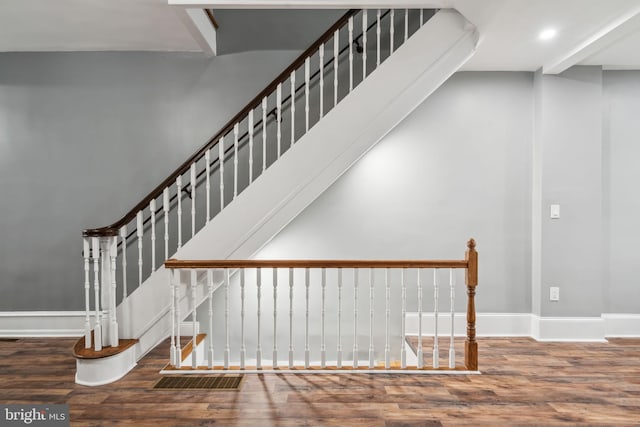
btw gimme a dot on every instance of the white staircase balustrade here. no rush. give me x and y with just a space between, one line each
319 277
387 92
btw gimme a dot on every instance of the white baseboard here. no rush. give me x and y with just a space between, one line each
621 325
487 324
581 329
25 324
71 324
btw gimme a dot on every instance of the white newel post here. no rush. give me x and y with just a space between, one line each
113 321
105 290
97 330
87 292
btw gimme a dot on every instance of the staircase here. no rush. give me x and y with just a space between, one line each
292 141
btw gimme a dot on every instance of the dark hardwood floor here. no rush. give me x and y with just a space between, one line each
523 382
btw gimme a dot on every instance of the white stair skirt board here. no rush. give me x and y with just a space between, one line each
306 170
621 325
94 372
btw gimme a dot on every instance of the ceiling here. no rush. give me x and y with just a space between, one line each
590 32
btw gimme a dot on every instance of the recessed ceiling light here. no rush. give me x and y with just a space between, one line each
547 34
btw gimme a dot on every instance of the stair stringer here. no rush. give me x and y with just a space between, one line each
401 83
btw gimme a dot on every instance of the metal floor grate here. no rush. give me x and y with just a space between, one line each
192 382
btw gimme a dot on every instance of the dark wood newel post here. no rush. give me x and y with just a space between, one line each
471 279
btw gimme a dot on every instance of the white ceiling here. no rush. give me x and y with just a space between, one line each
508 28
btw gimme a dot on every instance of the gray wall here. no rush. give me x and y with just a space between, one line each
621 155
457 167
570 166
84 136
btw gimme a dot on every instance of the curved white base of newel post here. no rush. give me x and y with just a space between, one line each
95 372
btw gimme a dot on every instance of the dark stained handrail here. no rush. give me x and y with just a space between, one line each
215 163
112 230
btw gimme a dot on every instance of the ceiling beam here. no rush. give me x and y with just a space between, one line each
201 28
310 4
604 37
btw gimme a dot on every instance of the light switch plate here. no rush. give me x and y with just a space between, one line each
554 211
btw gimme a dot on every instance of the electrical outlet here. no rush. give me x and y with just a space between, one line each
554 293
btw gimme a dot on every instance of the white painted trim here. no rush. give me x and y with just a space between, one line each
310 4
94 372
567 329
200 27
186 328
27 324
285 369
487 324
601 39
621 325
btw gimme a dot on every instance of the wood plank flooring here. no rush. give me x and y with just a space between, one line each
523 382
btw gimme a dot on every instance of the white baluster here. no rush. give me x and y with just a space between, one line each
87 290
306 95
193 182
339 363
97 330
378 32
275 317
251 146
371 300
387 359
279 119
323 349
152 210
113 323
403 330
452 351
194 356
221 163
173 351
293 107
336 52
436 350
321 55
264 133
243 348
355 318
226 319
179 197
420 359
207 159
406 24
306 321
210 313
139 232
421 17
259 347
178 322
123 239
364 44
235 160
350 54
392 30
165 209
290 318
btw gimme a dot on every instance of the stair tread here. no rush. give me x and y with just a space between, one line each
80 352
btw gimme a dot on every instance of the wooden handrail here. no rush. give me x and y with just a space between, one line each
263 263
242 139
112 230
